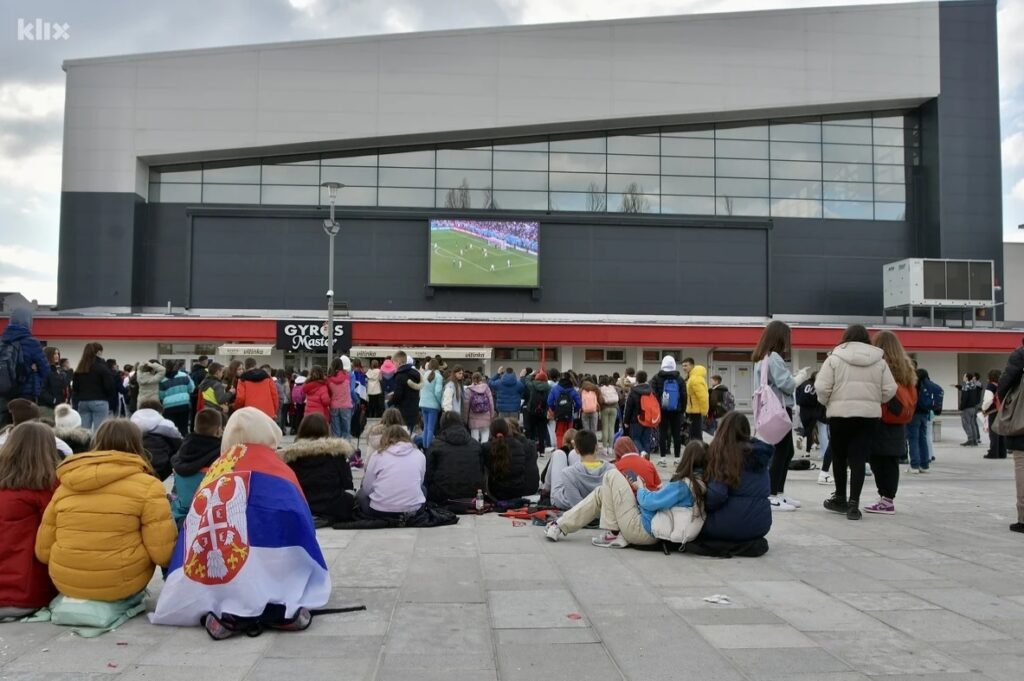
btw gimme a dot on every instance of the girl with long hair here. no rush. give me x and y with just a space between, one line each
891 440
453 397
511 467
318 396
431 393
320 463
393 484
93 387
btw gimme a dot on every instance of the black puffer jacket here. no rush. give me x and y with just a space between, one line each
196 453
1010 379
324 474
406 398
160 449
522 477
455 468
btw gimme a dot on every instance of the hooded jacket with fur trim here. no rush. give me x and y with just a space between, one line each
455 467
322 469
855 382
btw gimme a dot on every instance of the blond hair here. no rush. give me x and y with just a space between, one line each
392 435
28 459
900 364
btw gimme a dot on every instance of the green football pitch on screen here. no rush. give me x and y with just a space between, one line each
460 259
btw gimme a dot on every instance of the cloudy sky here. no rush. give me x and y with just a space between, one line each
32 83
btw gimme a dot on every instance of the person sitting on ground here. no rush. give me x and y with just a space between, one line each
390 417
109 524
511 466
28 478
194 457
256 388
320 463
264 567
455 468
68 428
561 458
160 436
573 483
393 484
24 411
628 460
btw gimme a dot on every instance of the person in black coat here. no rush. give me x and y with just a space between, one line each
511 467
405 397
455 468
320 463
1010 379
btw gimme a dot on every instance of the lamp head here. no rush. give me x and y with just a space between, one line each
332 189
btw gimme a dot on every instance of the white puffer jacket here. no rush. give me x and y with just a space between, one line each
855 381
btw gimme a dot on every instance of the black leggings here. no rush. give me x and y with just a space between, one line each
850 442
779 467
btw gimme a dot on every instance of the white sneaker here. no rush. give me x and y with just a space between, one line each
779 505
824 478
792 502
609 540
553 531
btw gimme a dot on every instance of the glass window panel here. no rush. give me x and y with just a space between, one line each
526 146
796 132
633 164
634 203
646 184
743 132
592 145
730 205
633 144
796 189
512 200
740 149
889 137
891 192
896 174
594 202
168 176
848 191
370 160
848 210
358 176
512 179
577 163
409 159
577 181
175 193
688 205
889 155
796 170
419 198
291 174
727 167
464 158
235 175
290 194
796 151
890 211
796 208
683 146
689 132
520 160
845 134
231 193
840 119
731 187
888 121
407 177
677 165
477 179
697 186
456 198
351 196
846 153
847 172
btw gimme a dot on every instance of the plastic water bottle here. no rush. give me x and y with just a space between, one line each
479 500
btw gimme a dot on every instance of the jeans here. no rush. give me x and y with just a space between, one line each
642 436
929 441
341 423
822 437
590 422
969 420
917 438
670 431
93 413
429 425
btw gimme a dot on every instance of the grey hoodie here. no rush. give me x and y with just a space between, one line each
855 381
575 482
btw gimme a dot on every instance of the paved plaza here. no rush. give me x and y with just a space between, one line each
933 593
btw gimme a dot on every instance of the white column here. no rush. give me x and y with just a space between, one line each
565 357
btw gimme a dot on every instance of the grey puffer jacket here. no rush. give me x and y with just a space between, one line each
855 382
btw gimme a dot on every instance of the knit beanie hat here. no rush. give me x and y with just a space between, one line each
624 445
541 376
250 426
66 418
23 410
387 367
668 363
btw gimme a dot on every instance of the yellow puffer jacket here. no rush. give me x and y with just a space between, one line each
697 391
106 527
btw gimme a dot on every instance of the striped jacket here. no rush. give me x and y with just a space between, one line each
174 391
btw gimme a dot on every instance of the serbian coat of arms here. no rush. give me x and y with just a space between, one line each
216 536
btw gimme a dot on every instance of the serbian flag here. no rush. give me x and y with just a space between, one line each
248 541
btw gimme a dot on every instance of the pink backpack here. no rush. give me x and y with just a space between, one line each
771 421
589 401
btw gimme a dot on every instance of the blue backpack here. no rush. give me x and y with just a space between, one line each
929 397
670 395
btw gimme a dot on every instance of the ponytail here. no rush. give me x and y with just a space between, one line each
501 452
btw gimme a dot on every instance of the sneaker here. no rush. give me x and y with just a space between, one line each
853 513
792 502
824 478
779 505
923 470
661 462
609 540
553 532
883 506
967 444
216 630
833 503
1017 527
303 618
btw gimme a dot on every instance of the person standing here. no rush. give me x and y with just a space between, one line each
25 374
636 418
891 440
175 391
479 408
374 390
720 403
564 402
339 382
669 387
284 398
590 398
256 388
969 403
54 389
508 393
537 410
697 398
406 392
853 384
93 387
989 409
1010 379
148 375
453 397
431 392
609 410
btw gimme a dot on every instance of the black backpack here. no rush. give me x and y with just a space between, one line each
563 406
538 403
13 372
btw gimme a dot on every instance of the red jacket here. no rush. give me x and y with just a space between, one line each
318 398
257 389
643 468
24 581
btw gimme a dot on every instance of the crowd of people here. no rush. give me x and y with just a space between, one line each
199 480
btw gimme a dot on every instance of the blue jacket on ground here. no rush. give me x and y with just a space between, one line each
174 391
741 514
670 494
18 331
561 387
508 392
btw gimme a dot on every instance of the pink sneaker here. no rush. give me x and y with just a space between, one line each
883 506
609 540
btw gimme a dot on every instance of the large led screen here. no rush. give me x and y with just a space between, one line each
484 253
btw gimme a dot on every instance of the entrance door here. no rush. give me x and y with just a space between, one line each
738 377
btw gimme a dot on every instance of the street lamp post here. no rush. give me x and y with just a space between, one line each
331 228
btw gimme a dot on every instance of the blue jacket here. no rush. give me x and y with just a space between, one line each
671 494
174 391
31 353
432 391
508 392
557 391
741 514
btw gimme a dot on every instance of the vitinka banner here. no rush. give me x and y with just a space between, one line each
311 336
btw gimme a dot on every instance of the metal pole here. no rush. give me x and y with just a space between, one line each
330 290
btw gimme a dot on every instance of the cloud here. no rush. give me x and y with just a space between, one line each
1013 150
1018 190
23 101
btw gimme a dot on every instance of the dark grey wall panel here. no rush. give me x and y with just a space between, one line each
97 233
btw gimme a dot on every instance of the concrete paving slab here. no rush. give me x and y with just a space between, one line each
531 662
938 625
885 600
883 651
973 603
772 663
730 636
352 669
540 609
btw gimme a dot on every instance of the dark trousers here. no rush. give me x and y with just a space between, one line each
779 467
670 430
179 416
996 442
537 429
850 441
887 474
826 459
695 427
376 406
